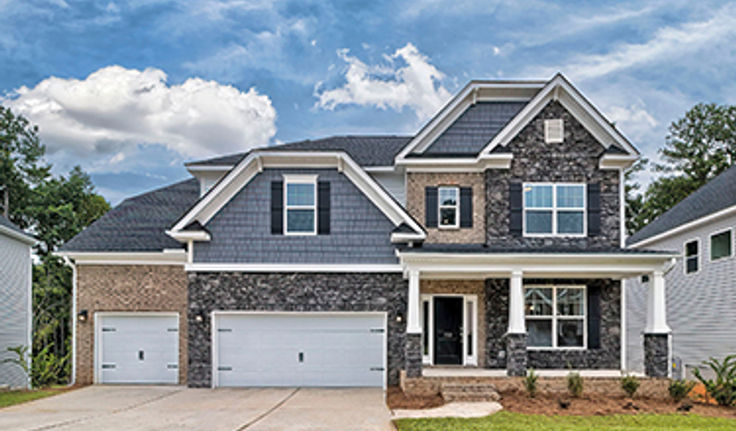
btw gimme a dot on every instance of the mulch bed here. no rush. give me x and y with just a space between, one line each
397 399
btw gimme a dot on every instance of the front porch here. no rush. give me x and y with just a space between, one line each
489 315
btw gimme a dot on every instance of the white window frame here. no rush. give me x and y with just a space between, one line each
555 317
468 299
710 244
685 258
554 209
299 179
548 125
456 207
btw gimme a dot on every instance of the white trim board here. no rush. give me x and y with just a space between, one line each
290 267
27 239
686 226
165 257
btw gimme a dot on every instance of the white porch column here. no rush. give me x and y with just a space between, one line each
413 325
517 323
657 305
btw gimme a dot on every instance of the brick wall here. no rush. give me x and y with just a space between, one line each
128 288
415 185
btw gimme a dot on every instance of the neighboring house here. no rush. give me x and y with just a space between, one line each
492 239
701 286
15 301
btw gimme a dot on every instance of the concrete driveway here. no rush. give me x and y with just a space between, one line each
179 408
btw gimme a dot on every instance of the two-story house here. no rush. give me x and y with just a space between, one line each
491 239
701 286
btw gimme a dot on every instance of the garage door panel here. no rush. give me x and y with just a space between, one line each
300 350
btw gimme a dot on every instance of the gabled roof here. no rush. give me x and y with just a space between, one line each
717 196
365 150
138 224
13 231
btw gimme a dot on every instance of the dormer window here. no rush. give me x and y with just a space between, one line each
448 207
554 131
300 209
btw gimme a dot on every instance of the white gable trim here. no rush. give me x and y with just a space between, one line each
248 168
165 257
17 235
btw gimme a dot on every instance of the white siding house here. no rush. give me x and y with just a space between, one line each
15 300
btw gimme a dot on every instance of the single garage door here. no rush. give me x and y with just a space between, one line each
138 348
300 349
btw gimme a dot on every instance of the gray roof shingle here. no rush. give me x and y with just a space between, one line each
138 223
365 150
474 129
718 194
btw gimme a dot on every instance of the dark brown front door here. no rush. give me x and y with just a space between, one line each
448 330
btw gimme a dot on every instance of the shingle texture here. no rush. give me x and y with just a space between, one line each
718 194
474 129
365 150
139 223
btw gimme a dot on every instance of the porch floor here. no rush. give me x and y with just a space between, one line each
500 372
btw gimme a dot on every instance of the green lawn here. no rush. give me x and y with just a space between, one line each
10 398
506 421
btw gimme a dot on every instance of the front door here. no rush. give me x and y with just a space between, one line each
448 330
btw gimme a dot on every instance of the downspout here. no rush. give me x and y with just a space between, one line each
73 319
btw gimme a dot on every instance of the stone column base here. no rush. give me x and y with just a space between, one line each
516 355
413 355
656 355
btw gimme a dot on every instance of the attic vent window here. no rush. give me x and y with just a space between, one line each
553 131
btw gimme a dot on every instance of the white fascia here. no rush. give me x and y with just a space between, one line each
27 239
165 257
247 169
189 235
290 267
684 227
479 164
616 161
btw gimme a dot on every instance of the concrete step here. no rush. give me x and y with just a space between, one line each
474 392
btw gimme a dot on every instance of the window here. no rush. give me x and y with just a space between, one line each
301 204
448 207
554 209
555 317
720 245
644 279
554 131
691 257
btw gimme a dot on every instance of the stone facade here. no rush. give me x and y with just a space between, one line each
293 292
574 160
127 288
656 355
416 182
465 287
413 355
607 356
516 354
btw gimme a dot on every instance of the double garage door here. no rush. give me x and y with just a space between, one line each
299 349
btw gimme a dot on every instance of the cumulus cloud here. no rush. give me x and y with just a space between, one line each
406 80
115 110
633 118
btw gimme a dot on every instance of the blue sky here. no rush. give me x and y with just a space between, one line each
131 90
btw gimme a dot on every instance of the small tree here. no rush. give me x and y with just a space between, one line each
723 387
575 384
530 383
630 385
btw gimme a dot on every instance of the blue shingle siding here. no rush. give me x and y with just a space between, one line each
241 232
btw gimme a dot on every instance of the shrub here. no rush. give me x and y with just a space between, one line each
630 385
530 383
723 387
575 384
49 369
679 389
20 359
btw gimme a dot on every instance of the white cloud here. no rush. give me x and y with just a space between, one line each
114 111
407 79
633 118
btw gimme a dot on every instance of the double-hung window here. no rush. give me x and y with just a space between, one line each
554 209
691 256
555 316
720 245
300 211
449 207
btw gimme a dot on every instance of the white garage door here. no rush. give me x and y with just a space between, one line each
138 348
281 349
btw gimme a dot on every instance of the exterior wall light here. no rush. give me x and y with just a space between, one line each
399 317
199 317
82 316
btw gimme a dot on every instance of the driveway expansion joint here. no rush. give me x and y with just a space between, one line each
268 412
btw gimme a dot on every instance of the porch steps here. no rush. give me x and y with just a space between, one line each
469 392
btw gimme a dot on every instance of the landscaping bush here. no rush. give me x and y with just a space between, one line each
679 389
530 383
575 384
723 387
630 385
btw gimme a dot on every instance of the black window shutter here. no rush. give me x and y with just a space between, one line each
430 206
466 207
323 205
277 207
516 205
594 317
594 209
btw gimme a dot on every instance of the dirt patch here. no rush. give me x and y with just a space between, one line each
600 405
396 399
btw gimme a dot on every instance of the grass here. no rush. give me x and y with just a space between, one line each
507 421
9 398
